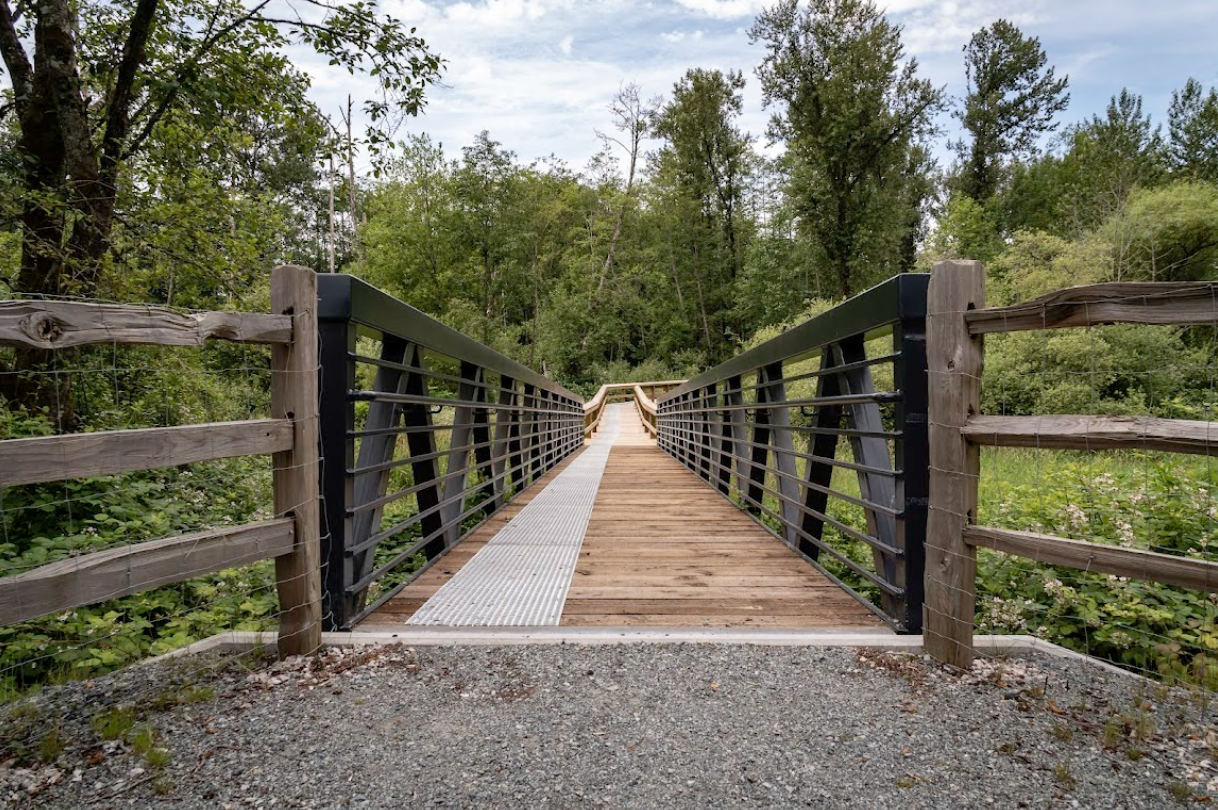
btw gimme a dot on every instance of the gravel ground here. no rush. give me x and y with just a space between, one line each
672 726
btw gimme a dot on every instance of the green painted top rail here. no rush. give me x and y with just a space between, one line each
872 313
343 297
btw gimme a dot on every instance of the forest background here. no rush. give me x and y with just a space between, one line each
167 152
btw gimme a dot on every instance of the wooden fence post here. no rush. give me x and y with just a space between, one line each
954 362
294 396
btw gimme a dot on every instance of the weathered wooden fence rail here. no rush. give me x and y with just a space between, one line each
479 429
765 426
289 436
956 321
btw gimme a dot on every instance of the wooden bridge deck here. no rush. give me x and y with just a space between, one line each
663 549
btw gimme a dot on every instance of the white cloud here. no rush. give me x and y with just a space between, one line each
725 9
496 12
513 68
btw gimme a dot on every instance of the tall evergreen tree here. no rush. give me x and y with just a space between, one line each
1193 126
1011 101
705 161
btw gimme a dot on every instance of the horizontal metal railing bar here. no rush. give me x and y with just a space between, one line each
403 430
893 357
892 590
858 597
385 597
401 557
823 372
373 540
416 399
832 462
689 434
345 298
418 572
857 568
842 399
356 472
850 432
874 542
429 373
888 510
871 314
401 462
544 448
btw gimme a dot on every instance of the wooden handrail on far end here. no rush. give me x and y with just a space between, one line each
610 392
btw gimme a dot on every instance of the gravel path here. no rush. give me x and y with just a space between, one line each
672 726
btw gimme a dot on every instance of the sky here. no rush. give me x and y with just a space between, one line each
539 74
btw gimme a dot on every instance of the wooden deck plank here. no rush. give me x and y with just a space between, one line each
663 549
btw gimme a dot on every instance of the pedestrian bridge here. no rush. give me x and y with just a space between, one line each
824 479
622 535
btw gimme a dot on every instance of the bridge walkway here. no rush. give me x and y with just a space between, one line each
660 549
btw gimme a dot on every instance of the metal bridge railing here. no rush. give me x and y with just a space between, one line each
478 429
769 429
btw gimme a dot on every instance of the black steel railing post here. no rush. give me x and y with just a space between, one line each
912 451
336 413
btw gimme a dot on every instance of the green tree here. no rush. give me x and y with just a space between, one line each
1192 121
1107 158
1011 102
86 105
410 240
96 87
852 108
704 167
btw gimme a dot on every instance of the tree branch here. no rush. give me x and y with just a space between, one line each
118 117
15 59
210 41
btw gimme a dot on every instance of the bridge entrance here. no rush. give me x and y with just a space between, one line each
660 548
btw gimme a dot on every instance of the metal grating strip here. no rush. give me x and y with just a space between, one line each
522 575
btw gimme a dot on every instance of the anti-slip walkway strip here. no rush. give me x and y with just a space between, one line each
521 577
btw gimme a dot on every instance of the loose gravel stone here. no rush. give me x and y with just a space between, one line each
647 726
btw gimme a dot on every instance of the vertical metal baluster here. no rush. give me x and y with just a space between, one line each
787 477
376 450
422 442
456 468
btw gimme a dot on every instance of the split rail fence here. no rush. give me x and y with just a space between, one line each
289 436
957 321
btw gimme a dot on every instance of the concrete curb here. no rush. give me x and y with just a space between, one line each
850 638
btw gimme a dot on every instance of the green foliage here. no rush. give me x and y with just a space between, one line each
1134 500
44 523
1119 369
851 111
700 175
1193 124
1011 101
1169 233
966 230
